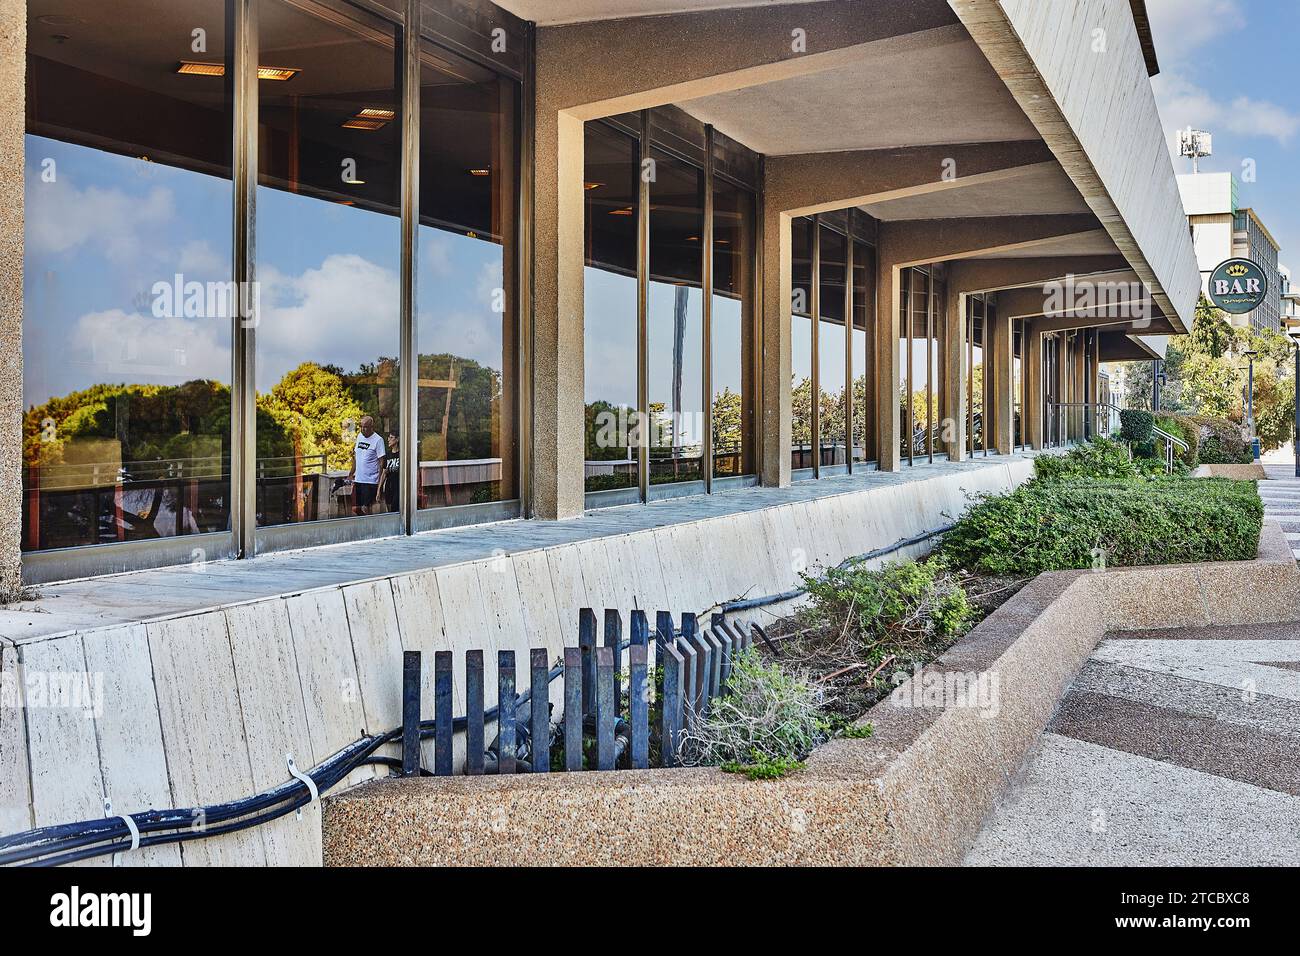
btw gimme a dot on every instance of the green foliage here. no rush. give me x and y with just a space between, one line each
1099 458
1222 442
761 767
1136 426
315 414
858 731
920 598
1207 378
771 716
1043 526
1182 426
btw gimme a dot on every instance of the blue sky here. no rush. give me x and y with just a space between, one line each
1228 66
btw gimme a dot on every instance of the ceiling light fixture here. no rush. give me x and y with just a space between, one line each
625 211
369 124
592 185
198 68
374 112
481 171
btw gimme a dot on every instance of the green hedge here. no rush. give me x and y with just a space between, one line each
1136 426
1181 426
1045 526
1222 442
1099 458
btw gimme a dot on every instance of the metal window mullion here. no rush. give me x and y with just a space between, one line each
706 286
929 367
409 356
524 311
642 307
816 385
848 346
243 425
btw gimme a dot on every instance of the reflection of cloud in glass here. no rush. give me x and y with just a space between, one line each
137 349
460 298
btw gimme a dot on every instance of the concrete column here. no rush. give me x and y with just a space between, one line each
776 366
13 44
558 373
955 373
889 303
1033 372
1003 362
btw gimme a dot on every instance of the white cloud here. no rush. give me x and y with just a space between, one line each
61 218
1181 27
344 312
199 260
130 347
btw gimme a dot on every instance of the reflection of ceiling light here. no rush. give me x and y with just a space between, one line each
625 211
480 172
191 68
692 238
354 182
471 235
196 68
364 124
371 112
592 185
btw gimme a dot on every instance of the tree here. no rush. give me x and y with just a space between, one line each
315 414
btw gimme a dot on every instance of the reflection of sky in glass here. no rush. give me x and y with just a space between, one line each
329 278
460 282
661 323
830 371
97 240
610 338
727 370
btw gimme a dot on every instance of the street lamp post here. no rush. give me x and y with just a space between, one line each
1293 333
1250 403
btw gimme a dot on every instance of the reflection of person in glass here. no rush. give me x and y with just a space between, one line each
368 454
390 483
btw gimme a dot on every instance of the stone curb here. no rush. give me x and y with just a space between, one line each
915 793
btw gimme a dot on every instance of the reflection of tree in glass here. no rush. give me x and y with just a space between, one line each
727 421
316 414
459 409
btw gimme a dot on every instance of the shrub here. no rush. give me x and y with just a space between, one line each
1221 441
1043 526
903 599
1181 426
1135 426
1099 458
770 719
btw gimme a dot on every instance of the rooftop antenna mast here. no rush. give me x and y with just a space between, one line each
1195 143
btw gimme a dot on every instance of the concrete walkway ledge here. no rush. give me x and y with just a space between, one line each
1254 471
915 793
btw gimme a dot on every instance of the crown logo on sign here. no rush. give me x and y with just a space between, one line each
1237 271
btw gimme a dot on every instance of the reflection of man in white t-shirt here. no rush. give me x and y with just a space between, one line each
368 456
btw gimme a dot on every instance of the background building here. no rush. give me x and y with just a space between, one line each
1223 230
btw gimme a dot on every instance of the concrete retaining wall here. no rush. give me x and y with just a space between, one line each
202 707
914 793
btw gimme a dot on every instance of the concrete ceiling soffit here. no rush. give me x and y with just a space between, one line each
990 27
921 241
603 68
994 275
808 183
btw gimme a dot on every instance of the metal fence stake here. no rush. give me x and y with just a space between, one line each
506 711
605 712
587 644
442 736
540 699
411 713
572 708
475 744
638 697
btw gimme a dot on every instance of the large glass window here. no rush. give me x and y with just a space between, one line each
732 336
128 306
466 333
801 357
610 328
328 263
864 353
976 378
831 344
675 321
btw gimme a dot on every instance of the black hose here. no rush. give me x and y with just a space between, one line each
750 604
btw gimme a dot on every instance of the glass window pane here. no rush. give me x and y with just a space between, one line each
610 328
830 348
675 322
733 331
919 359
863 344
128 306
466 326
938 306
801 450
328 250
